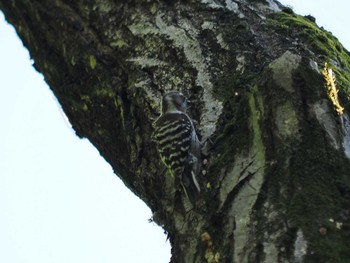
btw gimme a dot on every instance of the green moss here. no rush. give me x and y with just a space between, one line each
287 10
143 29
85 107
322 170
100 132
256 111
92 62
311 18
308 180
316 39
119 43
235 136
105 91
154 9
287 120
73 61
118 104
309 190
85 98
242 131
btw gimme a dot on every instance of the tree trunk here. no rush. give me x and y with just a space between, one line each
275 180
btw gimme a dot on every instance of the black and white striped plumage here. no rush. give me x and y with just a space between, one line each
177 142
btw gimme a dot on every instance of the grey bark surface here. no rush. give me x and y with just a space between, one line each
275 180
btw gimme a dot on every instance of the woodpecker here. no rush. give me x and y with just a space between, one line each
177 143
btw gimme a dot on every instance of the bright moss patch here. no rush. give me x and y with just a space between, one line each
327 47
316 39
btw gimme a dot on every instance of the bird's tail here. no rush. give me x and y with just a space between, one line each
190 184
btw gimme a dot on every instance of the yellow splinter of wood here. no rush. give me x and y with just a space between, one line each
332 91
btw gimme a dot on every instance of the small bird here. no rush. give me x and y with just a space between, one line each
178 144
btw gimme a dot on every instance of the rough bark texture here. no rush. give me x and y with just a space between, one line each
275 186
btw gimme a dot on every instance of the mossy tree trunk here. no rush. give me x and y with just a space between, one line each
275 181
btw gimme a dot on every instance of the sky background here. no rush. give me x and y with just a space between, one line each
59 199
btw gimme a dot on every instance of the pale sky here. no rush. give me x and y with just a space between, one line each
59 200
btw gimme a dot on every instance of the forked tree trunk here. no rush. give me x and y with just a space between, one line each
275 181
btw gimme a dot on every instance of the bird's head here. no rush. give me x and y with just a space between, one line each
174 101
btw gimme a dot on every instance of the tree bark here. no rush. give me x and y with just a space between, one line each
275 180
